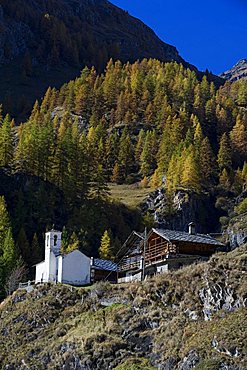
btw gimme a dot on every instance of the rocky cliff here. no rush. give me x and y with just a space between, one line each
191 318
237 72
236 232
184 207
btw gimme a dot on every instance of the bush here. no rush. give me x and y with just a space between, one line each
242 207
222 203
135 364
145 183
224 220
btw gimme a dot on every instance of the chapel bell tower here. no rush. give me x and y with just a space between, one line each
53 241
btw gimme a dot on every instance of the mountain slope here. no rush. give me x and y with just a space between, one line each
237 72
127 127
191 318
46 43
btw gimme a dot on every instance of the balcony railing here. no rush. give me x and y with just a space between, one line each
130 263
154 253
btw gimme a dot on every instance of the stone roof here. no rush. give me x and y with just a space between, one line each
172 235
107 265
134 240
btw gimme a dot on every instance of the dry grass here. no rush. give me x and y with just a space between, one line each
153 322
130 195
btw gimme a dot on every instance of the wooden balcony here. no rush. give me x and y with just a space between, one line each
130 263
157 250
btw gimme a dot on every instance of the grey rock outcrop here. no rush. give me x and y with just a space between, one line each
236 232
218 296
237 72
189 362
186 207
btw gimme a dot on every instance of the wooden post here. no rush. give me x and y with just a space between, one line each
144 252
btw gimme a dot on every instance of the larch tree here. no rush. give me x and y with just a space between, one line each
6 142
74 243
225 153
126 153
225 180
148 155
242 93
208 164
238 137
116 175
244 175
191 178
105 249
139 145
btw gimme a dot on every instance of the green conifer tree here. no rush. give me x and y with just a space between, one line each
10 253
23 246
4 223
36 252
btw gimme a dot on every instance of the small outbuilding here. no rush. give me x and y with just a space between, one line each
103 270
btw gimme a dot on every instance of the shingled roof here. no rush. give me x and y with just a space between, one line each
107 265
134 240
172 235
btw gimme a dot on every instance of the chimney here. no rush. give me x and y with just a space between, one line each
192 228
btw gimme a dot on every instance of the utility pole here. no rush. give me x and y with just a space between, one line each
144 252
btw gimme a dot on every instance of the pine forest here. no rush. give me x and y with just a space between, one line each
148 123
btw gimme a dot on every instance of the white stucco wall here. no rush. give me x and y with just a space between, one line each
59 269
162 268
51 266
40 273
76 268
131 276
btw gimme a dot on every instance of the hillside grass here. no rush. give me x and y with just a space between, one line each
56 324
130 195
135 364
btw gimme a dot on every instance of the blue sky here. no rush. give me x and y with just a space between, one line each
209 34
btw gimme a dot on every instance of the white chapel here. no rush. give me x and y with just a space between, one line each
73 268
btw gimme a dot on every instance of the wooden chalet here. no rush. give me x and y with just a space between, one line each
132 252
163 250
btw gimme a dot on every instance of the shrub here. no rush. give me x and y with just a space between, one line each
135 364
242 207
